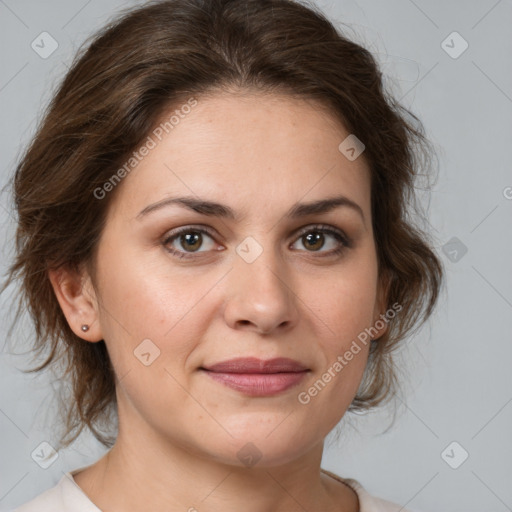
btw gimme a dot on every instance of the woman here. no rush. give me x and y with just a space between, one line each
213 232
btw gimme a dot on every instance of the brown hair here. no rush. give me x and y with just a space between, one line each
148 60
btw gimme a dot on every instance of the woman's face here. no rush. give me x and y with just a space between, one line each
257 272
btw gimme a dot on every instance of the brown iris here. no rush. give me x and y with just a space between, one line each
316 239
195 238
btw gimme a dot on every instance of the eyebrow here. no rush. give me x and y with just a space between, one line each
212 208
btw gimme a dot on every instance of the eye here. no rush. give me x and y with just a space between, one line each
313 238
189 240
186 241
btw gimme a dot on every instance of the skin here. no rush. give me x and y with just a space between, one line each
180 431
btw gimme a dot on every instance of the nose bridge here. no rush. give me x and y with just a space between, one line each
260 289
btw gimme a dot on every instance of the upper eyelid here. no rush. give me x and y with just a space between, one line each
320 227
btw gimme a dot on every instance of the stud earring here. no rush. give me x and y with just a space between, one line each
85 327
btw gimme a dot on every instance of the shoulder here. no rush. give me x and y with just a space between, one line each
64 496
50 499
367 502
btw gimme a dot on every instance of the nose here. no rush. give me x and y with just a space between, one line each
260 296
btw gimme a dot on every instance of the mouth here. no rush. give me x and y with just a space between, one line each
257 377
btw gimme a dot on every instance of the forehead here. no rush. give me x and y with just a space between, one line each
247 150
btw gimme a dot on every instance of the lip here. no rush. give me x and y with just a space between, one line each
255 365
258 377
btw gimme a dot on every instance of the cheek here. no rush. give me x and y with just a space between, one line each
343 308
141 301
148 329
346 305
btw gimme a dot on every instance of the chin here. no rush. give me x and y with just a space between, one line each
264 447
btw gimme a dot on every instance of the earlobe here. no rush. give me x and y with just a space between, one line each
77 299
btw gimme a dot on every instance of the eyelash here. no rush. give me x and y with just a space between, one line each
345 242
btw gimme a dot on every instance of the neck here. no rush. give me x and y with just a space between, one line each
136 476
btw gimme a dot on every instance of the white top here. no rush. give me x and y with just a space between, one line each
67 496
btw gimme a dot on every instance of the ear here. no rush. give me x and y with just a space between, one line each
78 301
379 318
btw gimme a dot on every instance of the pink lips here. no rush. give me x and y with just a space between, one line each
256 377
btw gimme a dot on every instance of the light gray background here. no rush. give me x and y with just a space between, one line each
457 371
